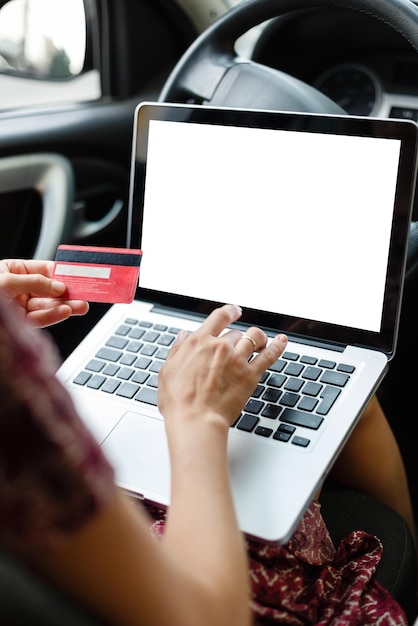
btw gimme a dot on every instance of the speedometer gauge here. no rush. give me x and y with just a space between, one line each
354 88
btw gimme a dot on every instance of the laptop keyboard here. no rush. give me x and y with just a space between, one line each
292 398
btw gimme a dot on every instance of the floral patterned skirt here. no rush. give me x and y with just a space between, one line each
309 581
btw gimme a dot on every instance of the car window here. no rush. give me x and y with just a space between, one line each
42 53
43 47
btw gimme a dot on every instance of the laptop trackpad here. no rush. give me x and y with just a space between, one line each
137 448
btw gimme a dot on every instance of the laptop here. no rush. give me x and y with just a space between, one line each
303 220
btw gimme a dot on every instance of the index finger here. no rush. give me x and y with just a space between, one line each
27 266
220 319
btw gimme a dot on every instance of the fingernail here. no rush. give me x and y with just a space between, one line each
282 338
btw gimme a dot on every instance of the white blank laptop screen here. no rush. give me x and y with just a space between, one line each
289 210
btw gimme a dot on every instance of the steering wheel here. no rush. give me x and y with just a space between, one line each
210 71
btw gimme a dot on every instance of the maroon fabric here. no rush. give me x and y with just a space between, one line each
53 475
308 581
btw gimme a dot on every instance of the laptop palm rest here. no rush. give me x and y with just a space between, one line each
145 461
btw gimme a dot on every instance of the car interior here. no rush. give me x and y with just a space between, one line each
66 115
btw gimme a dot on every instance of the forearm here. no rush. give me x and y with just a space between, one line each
201 529
113 565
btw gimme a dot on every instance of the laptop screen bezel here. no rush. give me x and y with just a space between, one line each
403 130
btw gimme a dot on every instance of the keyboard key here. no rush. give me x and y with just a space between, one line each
140 377
111 369
334 378
125 373
299 418
312 389
287 428
276 380
110 385
289 399
294 384
153 381
156 366
142 362
254 406
294 369
278 366
301 441
128 359
281 436
136 333
329 396
147 395
127 390
272 411
328 364
134 346
161 353
248 422
271 395
82 378
151 336
343 367
166 340
263 432
284 432
108 354
307 403
131 320
95 366
117 342
312 373
264 377
123 330
96 381
258 391
149 349
308 360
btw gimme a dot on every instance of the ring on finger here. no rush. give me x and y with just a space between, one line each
245 336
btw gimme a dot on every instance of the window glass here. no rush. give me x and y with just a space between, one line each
42 51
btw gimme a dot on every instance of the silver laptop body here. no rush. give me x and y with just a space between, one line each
301 219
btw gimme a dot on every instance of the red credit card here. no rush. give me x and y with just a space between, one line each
98 274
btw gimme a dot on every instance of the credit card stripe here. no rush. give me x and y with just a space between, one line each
98 258
82 271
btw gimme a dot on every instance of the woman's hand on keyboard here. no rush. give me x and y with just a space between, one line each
210 373
203 385
29 284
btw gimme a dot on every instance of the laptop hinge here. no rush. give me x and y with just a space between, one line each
269 331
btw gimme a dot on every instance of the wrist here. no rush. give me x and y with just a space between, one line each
194 419
188 431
